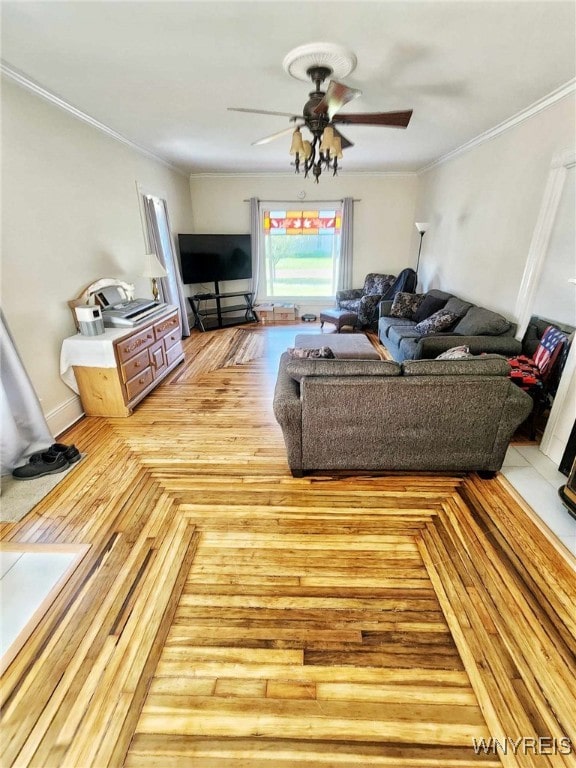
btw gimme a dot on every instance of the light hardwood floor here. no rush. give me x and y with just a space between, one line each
227 614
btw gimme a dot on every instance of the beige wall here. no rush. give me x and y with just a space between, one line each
383 215
483 205
70 215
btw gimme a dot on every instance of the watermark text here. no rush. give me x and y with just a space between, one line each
525 745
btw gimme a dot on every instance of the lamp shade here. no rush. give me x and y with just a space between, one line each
153 267
421 226
296 146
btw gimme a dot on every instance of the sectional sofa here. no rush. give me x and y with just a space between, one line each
408 333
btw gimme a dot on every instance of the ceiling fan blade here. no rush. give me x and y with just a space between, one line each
263 112
276 135
390 119
336 96
344 142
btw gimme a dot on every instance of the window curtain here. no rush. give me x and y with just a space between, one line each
256 244
24 428
170 288
344 267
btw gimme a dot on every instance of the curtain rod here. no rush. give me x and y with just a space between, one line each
324 200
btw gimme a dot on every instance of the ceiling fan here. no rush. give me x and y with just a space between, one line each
321 116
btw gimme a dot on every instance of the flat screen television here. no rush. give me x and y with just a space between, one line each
211 258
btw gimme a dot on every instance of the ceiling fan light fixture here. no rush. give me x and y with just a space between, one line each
336 148
321 113
327 139
297 145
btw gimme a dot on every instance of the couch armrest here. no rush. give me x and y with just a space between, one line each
384 308
351 293
431 346
288 412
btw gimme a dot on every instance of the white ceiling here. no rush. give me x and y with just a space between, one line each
162 74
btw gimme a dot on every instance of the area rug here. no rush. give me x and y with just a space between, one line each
20 496
223 348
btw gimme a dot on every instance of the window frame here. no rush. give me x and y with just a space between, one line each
292 206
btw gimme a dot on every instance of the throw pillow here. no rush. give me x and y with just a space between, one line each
455 353
321 352
406 304
482 322
458 306
429 305
439 321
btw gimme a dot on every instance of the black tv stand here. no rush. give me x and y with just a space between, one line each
218 315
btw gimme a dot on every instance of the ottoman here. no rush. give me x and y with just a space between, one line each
355 346
339 318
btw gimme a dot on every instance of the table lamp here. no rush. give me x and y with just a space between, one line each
154 270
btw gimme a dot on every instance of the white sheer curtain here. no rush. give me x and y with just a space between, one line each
344 268
24 428
159 235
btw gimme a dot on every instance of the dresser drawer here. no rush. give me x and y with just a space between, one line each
135 365
173 337
127 348
138 383
174 352
163 327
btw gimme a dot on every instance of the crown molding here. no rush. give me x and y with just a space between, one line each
30 85
538 106
292 175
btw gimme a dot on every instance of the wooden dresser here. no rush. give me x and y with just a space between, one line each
141 357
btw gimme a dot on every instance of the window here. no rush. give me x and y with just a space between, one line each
301 250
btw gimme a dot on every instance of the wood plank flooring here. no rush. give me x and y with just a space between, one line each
227 614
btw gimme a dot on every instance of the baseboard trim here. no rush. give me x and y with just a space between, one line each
66 414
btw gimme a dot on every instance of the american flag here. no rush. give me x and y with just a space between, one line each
549 347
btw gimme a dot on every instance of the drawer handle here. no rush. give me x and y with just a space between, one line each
141 381
136 365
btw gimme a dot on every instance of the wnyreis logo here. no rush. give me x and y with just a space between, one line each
525 745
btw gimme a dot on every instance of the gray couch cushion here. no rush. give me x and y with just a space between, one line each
437 293
482 322
386 323
399 332
408 347
430 305
457 306
484 365
297 369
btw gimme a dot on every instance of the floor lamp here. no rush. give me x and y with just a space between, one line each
421 226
